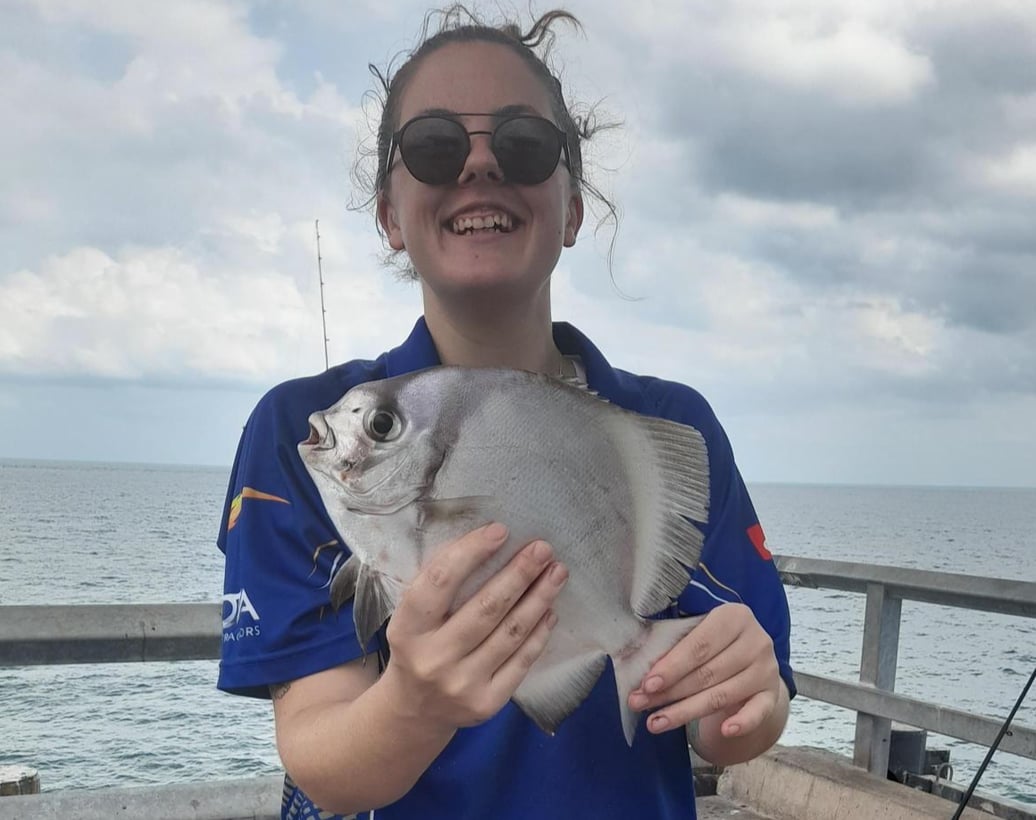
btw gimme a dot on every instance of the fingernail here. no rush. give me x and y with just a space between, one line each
638 701
653 684
495 531
733 729
552 619
659 723
558 574
541 551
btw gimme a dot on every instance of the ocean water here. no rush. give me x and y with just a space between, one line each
106 533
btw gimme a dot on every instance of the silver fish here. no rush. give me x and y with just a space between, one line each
407 464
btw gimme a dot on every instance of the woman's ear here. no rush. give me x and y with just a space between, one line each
389 222
573 218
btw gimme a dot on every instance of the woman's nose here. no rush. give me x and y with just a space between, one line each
481 162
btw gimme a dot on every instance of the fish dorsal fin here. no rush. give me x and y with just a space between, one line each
669 465
579 384
547 697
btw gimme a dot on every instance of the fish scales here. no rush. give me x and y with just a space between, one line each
408 464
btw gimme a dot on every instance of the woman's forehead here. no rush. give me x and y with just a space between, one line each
473 77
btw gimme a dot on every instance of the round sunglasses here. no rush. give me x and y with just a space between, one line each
435 147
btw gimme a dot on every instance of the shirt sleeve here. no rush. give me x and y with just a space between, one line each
281 552
735 566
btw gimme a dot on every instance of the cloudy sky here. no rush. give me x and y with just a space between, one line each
828 222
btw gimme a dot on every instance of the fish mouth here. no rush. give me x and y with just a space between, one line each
320 439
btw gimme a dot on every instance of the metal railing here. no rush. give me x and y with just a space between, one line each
873 697
166 632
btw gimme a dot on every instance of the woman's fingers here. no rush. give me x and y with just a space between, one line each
721 628
513 632
513 670
509 651
731 696
724 666
728 663
751 715
509 604
461 666
427 601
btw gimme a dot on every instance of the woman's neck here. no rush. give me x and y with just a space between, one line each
493 335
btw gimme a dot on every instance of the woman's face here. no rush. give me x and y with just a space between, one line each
421 219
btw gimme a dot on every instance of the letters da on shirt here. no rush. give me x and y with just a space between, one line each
240 618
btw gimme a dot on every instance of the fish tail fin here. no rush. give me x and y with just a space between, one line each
631 665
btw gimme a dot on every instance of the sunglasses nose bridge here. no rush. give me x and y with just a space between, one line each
481 160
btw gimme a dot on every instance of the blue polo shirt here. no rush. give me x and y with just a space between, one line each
282 550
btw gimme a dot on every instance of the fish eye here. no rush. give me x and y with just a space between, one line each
383 425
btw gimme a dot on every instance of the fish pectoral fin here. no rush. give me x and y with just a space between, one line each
472 510
343 585
375 600
551 692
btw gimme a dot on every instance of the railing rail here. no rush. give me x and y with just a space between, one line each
31 635
250 798
873 697
108 633
1002 595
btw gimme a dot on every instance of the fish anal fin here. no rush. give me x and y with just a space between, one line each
551 693
633 664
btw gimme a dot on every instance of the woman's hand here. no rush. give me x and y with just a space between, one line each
459 668
723 674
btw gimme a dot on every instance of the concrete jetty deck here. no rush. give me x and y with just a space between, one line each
801 783
787 783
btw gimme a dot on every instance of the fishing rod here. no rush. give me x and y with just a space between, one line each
320 274
992 749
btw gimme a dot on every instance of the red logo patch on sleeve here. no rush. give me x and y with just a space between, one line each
758 539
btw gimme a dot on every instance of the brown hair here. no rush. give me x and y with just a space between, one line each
458 24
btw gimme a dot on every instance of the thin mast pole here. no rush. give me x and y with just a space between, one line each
323 311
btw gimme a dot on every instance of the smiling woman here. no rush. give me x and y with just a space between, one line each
480 185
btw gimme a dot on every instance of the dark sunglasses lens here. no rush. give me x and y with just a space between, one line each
527 148
434 149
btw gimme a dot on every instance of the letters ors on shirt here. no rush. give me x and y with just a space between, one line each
240 619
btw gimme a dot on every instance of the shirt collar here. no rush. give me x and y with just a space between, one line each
418 352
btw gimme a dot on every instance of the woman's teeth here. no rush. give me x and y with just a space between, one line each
489 222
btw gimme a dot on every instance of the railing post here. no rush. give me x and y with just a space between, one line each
878 669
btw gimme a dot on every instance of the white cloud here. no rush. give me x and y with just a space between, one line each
247 311
147 313
182 50
848 60
1014 172
854 54
763 213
